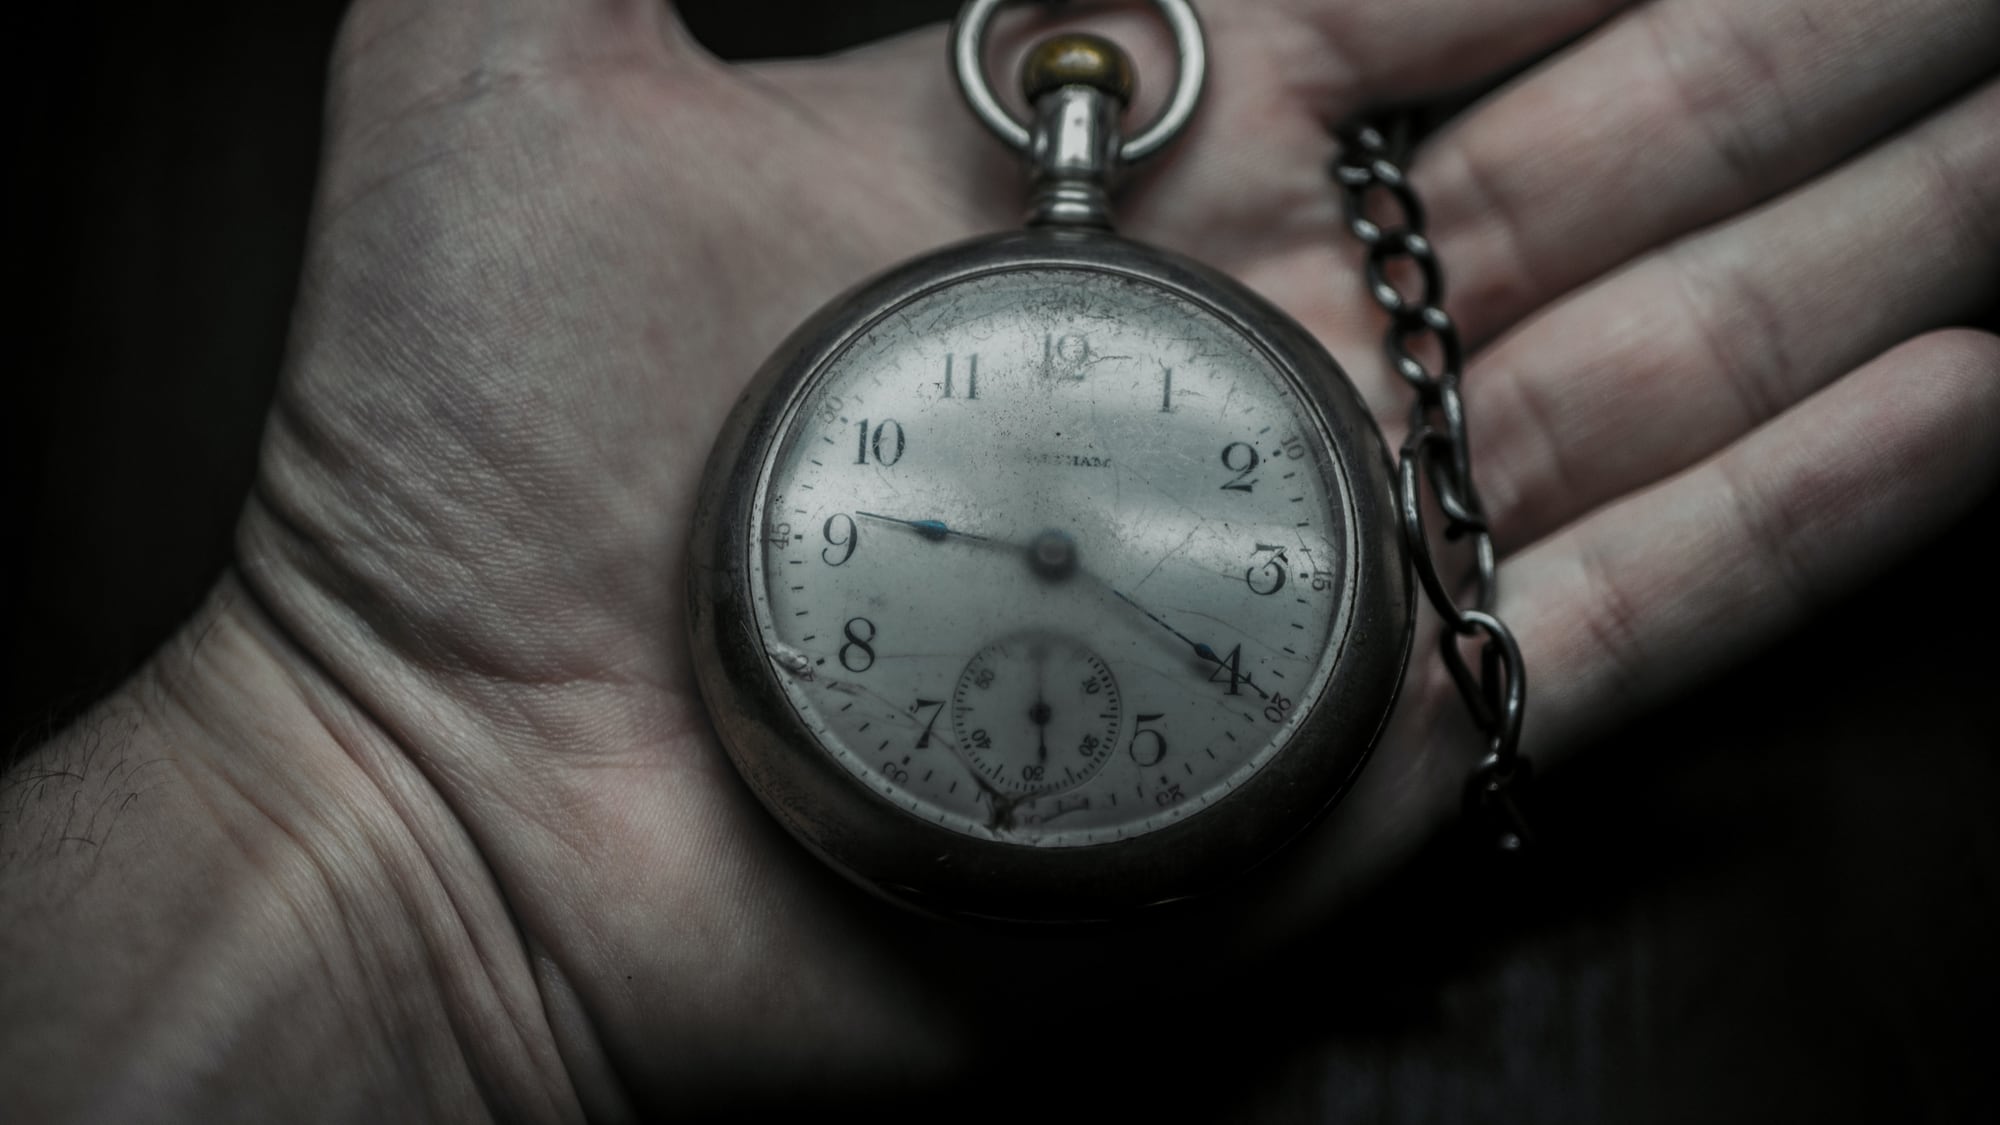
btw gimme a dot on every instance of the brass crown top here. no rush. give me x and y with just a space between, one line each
1077 59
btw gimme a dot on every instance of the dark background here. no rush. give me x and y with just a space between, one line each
1773 900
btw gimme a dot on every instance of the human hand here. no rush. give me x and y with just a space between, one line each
553 239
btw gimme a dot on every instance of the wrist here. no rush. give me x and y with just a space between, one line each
228 895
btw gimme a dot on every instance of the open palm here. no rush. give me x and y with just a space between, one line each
553 240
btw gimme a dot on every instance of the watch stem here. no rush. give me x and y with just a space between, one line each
1079 85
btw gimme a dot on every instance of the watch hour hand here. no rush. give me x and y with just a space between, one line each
933 530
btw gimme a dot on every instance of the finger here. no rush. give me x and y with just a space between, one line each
1670 584
1662 364
1673 116
1276 70
1383 53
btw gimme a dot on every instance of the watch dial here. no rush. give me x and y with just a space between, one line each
1052 556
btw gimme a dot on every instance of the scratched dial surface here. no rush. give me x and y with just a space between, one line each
1052 557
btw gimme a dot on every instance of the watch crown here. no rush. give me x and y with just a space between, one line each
1077 59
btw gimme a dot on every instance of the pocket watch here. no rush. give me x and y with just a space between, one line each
1050 576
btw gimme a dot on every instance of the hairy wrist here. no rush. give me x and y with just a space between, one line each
226 896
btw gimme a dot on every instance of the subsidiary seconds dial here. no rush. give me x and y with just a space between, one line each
1036 713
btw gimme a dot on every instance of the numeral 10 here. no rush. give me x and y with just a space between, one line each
885 442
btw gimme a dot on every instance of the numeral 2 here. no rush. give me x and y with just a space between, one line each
1241 463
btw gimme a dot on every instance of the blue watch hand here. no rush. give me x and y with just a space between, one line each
929 529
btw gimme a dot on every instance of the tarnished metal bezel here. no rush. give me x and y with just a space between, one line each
933 868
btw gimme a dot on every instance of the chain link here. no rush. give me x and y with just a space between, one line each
1438 454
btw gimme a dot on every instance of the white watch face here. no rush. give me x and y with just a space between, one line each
1053 557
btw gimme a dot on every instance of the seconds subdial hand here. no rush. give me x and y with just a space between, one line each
1040 713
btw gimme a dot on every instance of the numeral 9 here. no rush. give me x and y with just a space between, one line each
849 537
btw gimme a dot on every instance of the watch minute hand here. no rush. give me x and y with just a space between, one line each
1200 649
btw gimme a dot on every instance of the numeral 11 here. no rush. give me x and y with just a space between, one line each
971 377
